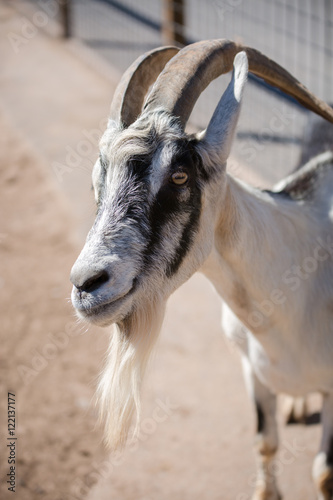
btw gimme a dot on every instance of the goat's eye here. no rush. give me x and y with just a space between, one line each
179 178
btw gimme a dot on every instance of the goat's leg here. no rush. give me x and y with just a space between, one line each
266 442
323 463
295 410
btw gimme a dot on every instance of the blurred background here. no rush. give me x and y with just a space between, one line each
296 34
60 63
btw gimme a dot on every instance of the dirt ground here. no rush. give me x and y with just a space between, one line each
42 345
200 446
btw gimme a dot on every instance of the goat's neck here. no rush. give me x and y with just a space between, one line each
249 257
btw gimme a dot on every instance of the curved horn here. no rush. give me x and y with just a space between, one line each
184 78
135 82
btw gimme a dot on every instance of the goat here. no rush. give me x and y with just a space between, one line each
166 208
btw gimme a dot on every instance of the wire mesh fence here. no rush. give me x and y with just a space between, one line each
298 34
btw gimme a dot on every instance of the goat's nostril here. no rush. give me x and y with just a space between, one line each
94 282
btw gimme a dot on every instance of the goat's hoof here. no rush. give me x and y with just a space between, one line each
325 485
262 493
323 477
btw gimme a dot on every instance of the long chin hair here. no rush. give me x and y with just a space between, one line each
120 385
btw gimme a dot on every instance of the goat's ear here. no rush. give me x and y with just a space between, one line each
217 138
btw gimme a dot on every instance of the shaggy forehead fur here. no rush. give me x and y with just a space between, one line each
142 138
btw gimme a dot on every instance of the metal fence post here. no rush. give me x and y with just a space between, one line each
328 49
173 22
65 13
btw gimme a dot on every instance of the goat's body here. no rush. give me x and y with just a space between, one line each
286 315
277 359
283 321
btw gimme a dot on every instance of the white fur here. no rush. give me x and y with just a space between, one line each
120 385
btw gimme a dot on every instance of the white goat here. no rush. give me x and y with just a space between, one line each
167 208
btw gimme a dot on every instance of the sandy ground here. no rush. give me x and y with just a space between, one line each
200 445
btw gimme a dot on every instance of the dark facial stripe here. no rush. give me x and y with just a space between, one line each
168 205
202 173
162 210
139 167
186 239
191 227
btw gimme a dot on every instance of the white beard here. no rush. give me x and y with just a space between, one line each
120 385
